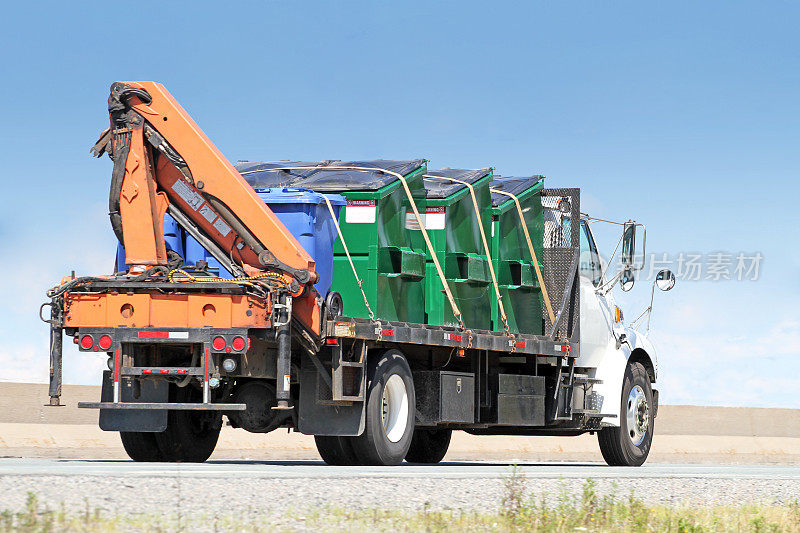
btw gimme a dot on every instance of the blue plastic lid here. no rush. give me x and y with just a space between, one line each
296 196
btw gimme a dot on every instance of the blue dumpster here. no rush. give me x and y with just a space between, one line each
195 252
173 238
306 216
303 212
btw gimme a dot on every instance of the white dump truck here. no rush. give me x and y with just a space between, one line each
242 294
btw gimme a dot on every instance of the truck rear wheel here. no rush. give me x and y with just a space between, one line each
629 444
390 412
141 446
191 436
429 446
335 450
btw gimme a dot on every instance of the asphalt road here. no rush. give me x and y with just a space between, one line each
447 470
248 488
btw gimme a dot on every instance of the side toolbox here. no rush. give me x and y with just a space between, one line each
444 397
520 400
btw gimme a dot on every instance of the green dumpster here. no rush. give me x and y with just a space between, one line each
454 230
516 276
377 224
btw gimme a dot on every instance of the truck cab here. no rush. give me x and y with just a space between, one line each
618 356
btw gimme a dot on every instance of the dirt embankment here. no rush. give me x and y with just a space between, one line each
684 433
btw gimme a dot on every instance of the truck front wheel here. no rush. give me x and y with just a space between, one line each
629 444
390 412
429 446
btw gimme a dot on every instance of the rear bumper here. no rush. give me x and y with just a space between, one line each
157 406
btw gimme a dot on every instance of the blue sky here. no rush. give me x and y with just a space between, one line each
682 115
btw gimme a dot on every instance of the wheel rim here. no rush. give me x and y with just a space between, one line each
638 415
394 408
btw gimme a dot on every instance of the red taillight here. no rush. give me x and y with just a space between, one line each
87 342
104 342
238 344
218 343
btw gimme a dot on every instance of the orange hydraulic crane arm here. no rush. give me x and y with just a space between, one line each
164 162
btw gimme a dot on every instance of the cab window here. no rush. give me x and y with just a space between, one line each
589 260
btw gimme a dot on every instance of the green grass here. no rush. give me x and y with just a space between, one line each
517 511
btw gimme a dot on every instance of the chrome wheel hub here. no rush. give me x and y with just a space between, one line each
638 415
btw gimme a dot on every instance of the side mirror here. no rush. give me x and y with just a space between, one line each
628 244
665 280
626 280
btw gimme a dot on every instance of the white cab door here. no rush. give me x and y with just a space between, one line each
596 319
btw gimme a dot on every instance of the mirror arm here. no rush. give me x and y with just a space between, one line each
650 307
606 287
648 311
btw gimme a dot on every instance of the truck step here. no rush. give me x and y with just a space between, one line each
348 378
595 415
586 379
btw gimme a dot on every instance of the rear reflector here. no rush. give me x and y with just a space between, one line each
238 344
154 334
331 340
104 342
147 371
163 334
218 344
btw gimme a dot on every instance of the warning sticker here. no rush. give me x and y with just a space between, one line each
222 227
287 382
208 213
432 217
360 212
187 194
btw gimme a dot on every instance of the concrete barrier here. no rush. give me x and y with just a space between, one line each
683 434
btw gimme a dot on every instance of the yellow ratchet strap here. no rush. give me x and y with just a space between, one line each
428 243
539 276
485 245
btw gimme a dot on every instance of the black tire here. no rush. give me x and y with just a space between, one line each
374 447
191 436
429 446
141 447
617 444
335 450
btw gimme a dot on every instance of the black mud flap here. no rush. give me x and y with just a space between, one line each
315 418
151 390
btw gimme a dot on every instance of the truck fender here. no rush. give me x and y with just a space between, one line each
635 348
